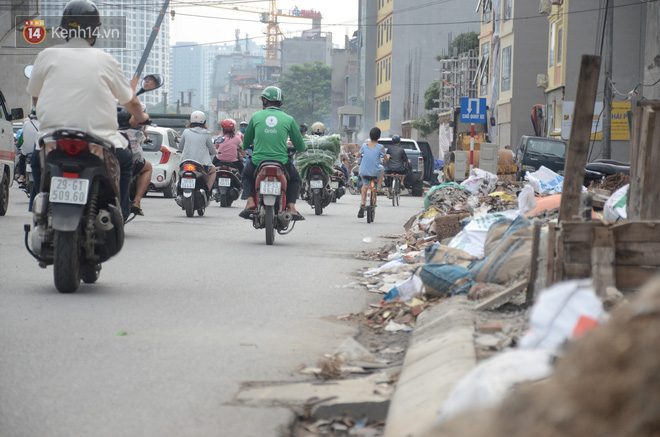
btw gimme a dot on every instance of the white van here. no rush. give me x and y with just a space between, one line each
7 151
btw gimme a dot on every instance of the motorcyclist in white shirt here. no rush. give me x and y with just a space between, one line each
74 85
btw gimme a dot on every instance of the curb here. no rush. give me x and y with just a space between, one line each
440 354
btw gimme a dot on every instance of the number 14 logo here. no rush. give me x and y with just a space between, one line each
34 31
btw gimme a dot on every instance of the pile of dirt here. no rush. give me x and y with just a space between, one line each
607 384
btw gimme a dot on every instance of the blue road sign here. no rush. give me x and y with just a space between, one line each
473 110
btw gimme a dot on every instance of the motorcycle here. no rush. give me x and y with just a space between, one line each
317 190
227 186
354 184
270 197
77 214
596 171
191 189
337 183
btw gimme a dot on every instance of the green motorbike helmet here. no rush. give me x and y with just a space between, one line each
272 94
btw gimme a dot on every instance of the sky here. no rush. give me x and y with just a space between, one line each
208 24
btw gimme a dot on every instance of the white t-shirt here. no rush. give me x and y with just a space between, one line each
77 86
30 135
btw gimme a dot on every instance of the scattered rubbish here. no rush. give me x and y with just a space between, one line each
564 311
389 266
392 326
480 182
122 332
473 236
368 240
445 196
491 380
406 290
545 181
352 350
482 290
546 203
526 200
615 207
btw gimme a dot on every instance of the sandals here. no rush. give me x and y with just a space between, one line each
361 212
297 217
247 213
136 210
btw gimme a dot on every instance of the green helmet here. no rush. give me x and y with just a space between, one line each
272 94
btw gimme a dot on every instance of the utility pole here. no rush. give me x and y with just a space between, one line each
150 43
164 102
607 95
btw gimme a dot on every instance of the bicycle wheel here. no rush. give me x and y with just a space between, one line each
396 193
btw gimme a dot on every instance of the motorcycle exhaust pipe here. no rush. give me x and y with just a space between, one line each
286 216
104 221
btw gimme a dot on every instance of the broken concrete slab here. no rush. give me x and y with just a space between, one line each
363 397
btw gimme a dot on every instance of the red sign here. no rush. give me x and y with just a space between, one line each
34 31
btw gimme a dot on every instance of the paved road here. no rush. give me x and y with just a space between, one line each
206 306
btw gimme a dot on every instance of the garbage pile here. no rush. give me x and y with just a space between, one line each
321 150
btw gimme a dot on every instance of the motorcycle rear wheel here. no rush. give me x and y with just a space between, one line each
224 200
270 225
66 261
189 206
318 206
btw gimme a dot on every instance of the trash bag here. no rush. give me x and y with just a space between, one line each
615 207
441 254
480 182
445 279
545 180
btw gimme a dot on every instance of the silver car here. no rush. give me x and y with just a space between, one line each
162 151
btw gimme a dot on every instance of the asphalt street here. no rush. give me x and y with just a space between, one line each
188 311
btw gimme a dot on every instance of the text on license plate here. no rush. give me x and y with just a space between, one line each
316 184
334 185
68 190
188 183
268 187
224 182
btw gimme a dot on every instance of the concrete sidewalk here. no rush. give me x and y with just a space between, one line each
441 353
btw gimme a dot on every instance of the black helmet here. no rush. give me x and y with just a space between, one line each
396 139
82 17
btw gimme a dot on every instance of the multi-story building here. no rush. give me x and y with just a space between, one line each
311 47
575 29
140 19
513 51
192 75
399 43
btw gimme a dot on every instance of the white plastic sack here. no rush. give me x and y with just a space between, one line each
490 381
472 238
563 311
480 182
526 200
545 180
388 266
615 207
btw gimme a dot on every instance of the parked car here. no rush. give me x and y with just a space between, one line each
414 182
534 152
163 152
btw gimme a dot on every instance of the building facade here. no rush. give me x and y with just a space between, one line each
399 41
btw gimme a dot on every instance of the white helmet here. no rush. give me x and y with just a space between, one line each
318 128
198 117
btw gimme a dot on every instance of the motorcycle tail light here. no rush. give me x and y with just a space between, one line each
316 170
272 171
165 155
189 167
72 147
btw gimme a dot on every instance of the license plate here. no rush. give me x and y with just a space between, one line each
316 184
224 182
188 183
334 185
268 187
68 190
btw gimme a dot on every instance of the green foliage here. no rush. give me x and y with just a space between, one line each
462 43
308 93
432 93
426 125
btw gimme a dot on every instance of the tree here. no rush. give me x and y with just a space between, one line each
432 93
461 44
308 93
427 124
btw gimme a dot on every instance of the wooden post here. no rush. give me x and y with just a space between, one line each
643 203
603 254
533 271
578 145
550 254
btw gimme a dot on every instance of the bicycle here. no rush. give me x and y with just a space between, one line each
370 199
395 190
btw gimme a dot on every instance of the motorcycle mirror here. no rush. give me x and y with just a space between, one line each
151 82
27 71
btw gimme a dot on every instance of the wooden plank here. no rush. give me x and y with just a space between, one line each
580 137
577 271
577 253
550 255
602 259
559 265
533 270
642 231
502 297
629 277
635 162
651 210
638 254
578 232
639 184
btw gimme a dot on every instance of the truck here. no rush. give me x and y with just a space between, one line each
7 151
414 182
534 152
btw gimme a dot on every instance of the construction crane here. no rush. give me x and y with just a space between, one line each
273 29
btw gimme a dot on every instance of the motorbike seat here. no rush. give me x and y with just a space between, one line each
608 169
271 162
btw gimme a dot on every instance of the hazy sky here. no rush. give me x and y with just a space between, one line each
217 25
